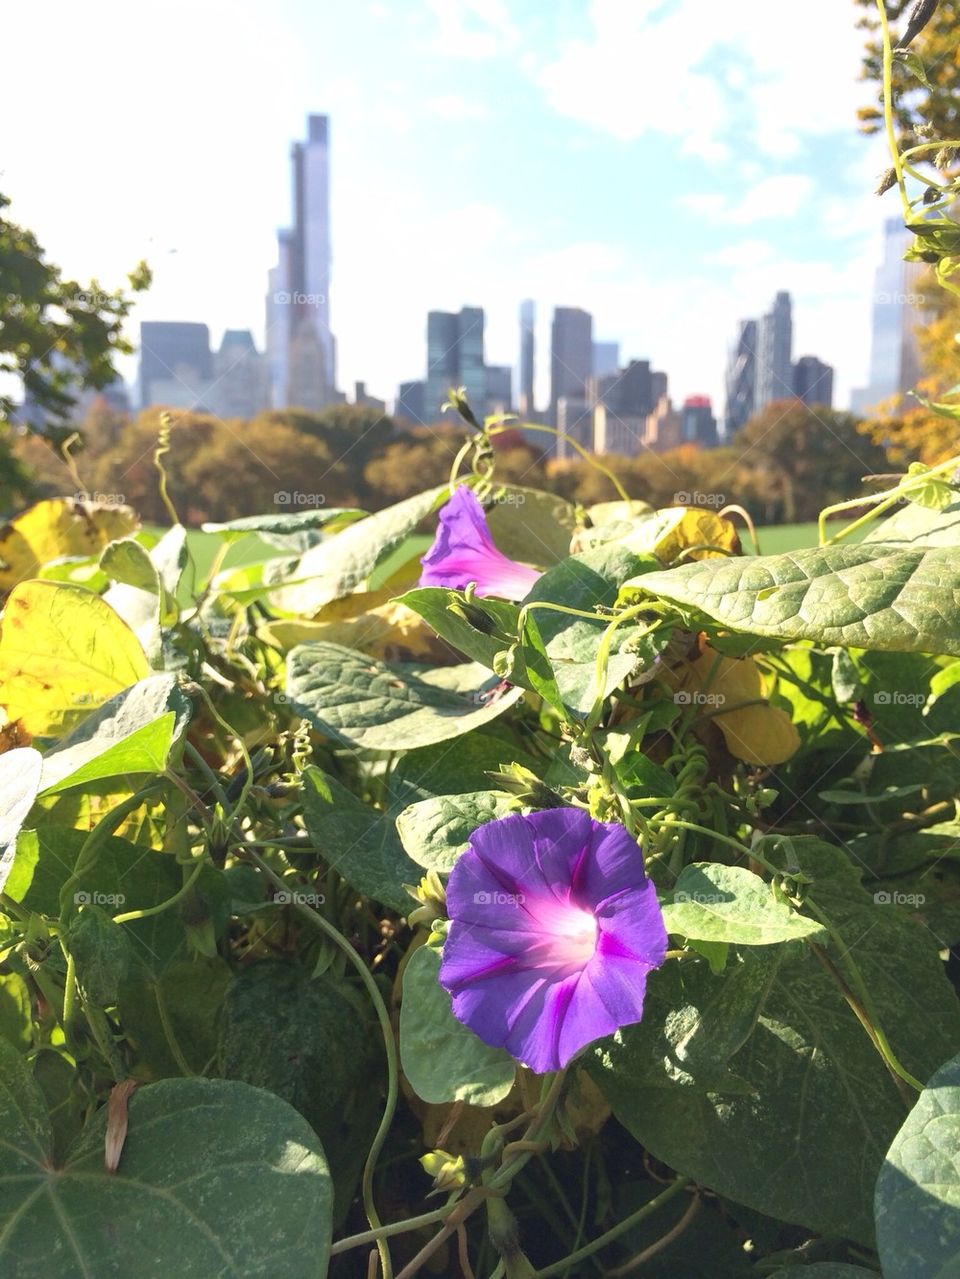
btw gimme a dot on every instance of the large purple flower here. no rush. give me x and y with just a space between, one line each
554 929
463 552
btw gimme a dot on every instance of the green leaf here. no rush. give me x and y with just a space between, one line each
442 1059
454 768
20 771
584 582
479 630
312 1042
435 832
133 732
805 1136
867 596
919 526
223 1178
292 522
730 904
182 1003
357 841
332 569
362 702
137 593
918 1190
16 1012
914 64
101 951
125 877
530 525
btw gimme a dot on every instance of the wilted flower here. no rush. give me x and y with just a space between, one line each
554 927
463 552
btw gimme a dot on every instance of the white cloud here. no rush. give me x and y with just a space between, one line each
777 196
457 108
756 76
473 29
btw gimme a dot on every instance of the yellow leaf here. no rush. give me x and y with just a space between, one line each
757 733
63 652
57 527
675 529
391 632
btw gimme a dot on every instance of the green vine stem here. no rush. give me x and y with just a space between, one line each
147 911
316 920
588 457
879 502
93 845
888 107
621 1228
866 1013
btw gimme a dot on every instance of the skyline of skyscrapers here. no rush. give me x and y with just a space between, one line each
299 366
761 369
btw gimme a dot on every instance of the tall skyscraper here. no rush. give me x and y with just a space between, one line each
898 308
775 354
527 367
813 381
741 379
499 381
175 363
455 359
606 358
240 377
697 423
409 404
298 304
571 356
575 422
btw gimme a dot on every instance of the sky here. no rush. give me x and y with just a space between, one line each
665 164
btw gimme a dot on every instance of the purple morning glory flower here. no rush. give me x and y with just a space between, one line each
554 927
463 552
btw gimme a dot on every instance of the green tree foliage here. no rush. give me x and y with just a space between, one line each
809 458
923 109
57 335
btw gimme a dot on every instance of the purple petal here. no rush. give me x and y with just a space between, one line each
463 552
492 1008
554 927
615 865
631 925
